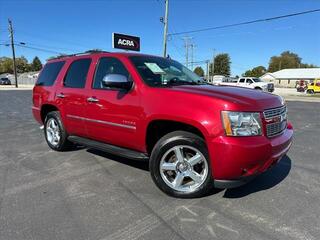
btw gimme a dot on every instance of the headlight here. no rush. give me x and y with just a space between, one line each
241 123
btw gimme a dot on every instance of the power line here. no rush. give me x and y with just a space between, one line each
245 23
201 61
65 41
39 49
178 50
46 46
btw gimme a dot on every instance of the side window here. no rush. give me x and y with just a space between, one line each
77 73
249 81
242 80
49 74
108 65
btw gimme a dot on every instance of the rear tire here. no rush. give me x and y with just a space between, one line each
180 165
55 133
310 91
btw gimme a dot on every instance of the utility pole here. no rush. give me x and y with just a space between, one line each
187 46
192 59
207 69
13 53
212 67
165 32
279 65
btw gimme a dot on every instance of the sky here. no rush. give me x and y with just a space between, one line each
70 26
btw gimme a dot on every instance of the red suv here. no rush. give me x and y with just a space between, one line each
195 136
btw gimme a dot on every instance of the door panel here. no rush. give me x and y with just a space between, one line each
72 96
73 110
114 116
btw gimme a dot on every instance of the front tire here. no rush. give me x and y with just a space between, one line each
55 133
180 166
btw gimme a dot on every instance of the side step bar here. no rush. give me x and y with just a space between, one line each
119 151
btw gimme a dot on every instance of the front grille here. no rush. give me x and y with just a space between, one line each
270 113
270 86
276 120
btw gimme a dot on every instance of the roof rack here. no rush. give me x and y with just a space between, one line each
79 54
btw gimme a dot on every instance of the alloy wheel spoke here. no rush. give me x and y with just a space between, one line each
179 154
194 176
54 125
195 159
178 180
51 124
168 166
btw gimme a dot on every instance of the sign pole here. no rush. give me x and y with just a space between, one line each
165 32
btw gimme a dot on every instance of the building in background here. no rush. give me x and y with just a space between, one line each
289 77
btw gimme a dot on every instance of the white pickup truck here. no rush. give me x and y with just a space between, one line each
248 82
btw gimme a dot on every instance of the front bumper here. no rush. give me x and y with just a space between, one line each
237 160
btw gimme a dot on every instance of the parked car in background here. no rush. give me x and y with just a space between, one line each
314 87
301 85
5 81
250 82
219 79
195 136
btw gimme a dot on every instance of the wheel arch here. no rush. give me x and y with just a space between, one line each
45 109
157 128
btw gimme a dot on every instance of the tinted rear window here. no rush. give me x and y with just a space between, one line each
77 73
49 74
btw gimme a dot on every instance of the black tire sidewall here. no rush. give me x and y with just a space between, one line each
166 143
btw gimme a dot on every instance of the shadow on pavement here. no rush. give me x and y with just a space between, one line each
264 181
143 164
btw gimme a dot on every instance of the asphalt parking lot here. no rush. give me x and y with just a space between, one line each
87 194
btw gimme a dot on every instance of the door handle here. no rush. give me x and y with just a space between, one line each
61 95
92 99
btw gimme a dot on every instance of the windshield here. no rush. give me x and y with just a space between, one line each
163 72
257 79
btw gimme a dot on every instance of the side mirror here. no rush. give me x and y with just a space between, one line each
117 81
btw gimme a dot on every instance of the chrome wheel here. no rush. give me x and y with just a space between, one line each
53 132
183 168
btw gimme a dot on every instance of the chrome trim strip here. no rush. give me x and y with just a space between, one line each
270 113
36 108
102 122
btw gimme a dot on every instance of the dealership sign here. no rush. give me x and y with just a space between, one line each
125 42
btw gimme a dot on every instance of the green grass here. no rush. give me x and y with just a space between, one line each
316 95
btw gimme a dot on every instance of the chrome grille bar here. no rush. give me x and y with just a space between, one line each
270 113
275 128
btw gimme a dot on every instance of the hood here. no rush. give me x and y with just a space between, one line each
261 83
237 96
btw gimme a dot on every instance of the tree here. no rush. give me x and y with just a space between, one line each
6 65
22 65
306 65
286 59
199 71
36 64
221 65
255 72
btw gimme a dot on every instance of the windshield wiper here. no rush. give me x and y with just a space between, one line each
176 82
